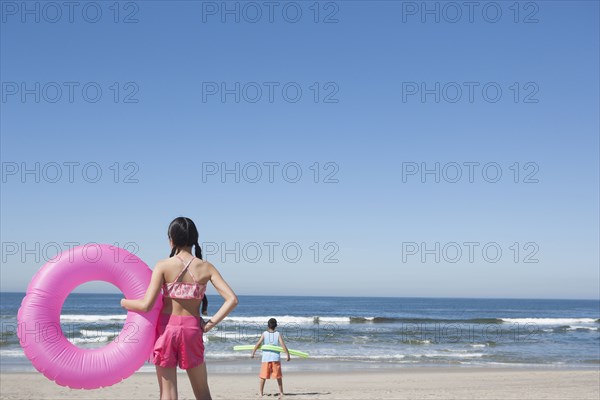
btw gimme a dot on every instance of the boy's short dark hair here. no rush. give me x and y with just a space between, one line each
272 324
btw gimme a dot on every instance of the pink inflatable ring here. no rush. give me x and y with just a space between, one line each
39 329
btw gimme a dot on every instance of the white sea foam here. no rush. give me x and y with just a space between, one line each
549 321
508 364
95 336
338 320
451 355
357 357
12 353
262 321
104 339
575 327
233 335
223 355
99 332
95 339
417 341
91 318
288 319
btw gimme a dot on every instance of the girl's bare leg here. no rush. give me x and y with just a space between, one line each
199 380
167 382
280 383
261 386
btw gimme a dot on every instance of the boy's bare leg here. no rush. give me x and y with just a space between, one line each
262 386
280 383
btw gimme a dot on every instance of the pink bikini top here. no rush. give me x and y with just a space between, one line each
184 290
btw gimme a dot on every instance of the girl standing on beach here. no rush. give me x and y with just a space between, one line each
183 279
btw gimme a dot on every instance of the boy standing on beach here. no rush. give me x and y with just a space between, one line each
271 365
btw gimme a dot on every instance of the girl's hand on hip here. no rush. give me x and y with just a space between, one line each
207 325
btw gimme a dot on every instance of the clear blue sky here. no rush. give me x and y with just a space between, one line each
368 61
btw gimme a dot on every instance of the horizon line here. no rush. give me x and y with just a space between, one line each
375 297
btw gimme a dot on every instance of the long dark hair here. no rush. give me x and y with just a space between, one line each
183 233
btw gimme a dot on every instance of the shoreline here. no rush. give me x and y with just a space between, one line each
448 382
301 366
377 370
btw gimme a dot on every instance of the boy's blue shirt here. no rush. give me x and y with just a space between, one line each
270 338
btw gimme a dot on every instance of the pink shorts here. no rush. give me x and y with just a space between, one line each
178 342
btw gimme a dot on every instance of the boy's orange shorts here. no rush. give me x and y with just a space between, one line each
270 370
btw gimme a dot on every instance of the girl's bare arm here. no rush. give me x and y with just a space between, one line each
231 300
145 304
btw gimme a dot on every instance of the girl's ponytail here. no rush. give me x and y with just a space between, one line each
198 250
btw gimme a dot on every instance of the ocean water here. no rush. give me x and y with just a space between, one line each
360 331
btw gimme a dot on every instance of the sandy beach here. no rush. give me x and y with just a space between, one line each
405 383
